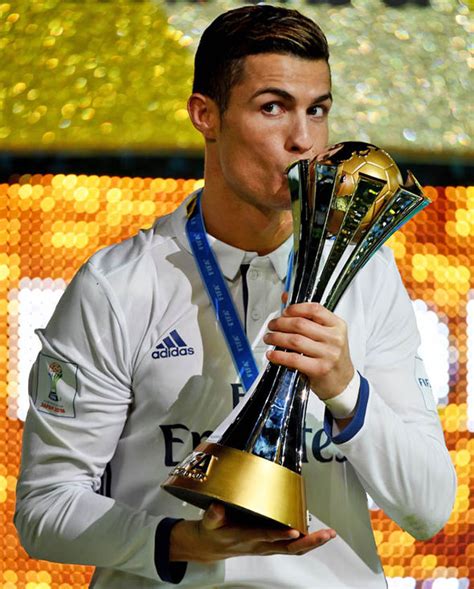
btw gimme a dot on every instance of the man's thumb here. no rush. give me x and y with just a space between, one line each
214 517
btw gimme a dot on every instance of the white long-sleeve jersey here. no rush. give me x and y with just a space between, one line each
134 372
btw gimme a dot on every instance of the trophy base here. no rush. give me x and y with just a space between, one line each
253 487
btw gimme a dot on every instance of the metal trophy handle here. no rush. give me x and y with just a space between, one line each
252 462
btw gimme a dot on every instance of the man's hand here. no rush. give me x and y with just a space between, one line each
214 538
318 347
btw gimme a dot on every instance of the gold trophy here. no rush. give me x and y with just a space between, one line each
353 195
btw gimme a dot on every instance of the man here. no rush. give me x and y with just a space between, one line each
146 373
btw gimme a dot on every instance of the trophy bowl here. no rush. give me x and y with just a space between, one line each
352 194
367 159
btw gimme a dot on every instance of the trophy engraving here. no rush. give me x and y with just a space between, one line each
196 467
353 195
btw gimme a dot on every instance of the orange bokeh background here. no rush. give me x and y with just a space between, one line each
49 225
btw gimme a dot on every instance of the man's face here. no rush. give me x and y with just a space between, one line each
277 113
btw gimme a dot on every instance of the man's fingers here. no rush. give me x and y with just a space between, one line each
281 535
297 343
304 326
269 535
214 517
313 311
297 547
301 326
311 366
311 541
219 539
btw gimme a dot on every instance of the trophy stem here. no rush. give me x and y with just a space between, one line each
262 425
310 216
364 196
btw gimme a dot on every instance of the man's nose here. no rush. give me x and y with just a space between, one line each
299 139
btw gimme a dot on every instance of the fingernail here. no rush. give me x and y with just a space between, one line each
293 534
329 535
212 513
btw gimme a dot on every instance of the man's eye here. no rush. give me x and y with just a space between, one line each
272 108
317 111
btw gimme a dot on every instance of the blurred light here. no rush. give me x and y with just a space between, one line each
77 76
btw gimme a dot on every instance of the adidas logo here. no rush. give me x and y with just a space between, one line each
172 346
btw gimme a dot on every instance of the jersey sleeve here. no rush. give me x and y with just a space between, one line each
80 395
395 441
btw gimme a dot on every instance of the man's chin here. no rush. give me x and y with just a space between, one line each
284 198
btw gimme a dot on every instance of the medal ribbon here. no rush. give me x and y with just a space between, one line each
219 295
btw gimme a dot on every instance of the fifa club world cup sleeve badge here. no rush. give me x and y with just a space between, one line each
56 387
55 372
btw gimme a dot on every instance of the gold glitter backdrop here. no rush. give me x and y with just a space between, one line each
104 75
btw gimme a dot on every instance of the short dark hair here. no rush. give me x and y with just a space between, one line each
250 30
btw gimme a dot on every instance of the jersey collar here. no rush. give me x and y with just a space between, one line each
231 258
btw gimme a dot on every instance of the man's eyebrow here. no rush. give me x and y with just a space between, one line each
287 96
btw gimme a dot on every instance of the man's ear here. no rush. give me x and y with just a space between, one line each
204 114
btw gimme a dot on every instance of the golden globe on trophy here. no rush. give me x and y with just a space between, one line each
352 194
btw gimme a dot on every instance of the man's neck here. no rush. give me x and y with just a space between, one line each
244 225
